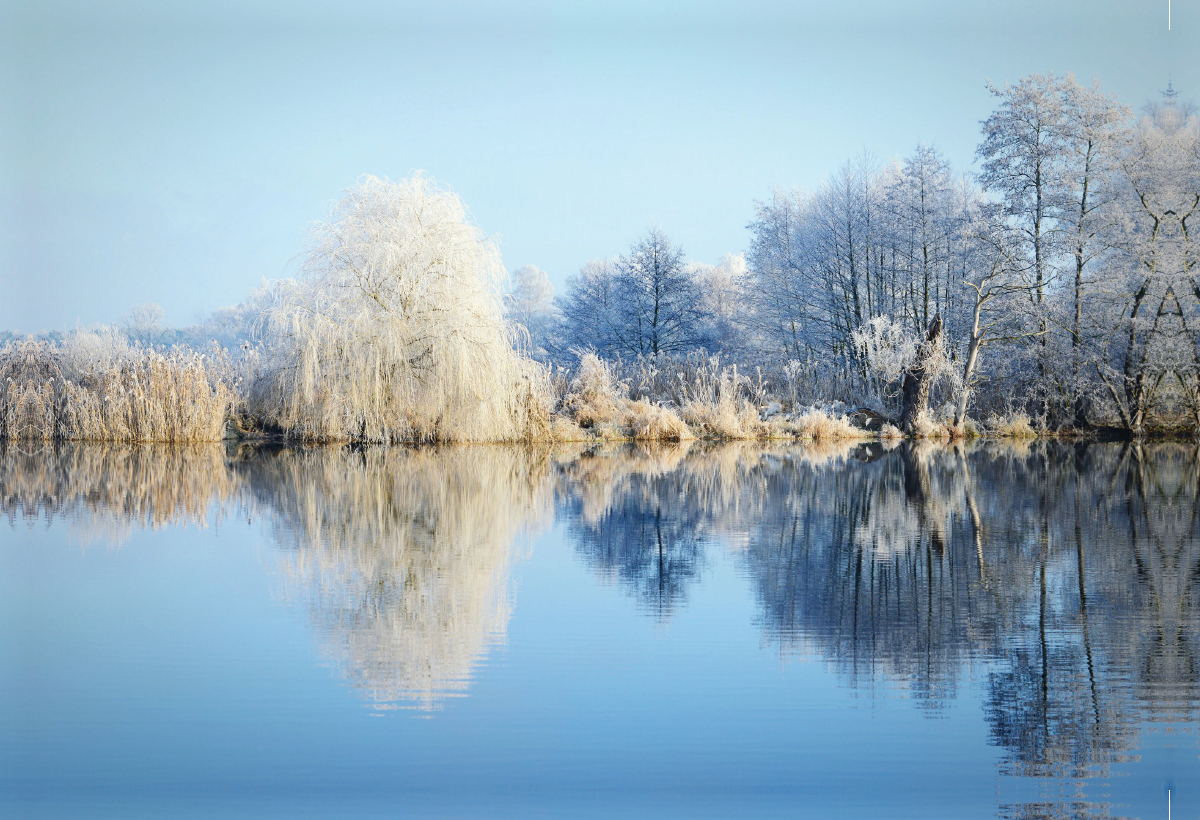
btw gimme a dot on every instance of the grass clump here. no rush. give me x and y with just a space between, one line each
819 425
653 422
598 402
1014 424
595 395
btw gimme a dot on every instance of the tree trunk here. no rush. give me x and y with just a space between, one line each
960 412
969 366
917 378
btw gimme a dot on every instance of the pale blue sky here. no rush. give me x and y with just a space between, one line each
162 152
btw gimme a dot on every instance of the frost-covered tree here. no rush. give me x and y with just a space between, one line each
998 297
660 299
1091 129
396 329
144 323
924 217
784 313
1152 344
646 303
872 242
589 312
1021 153
724 289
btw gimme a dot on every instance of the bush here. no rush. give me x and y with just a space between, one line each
1014 424
823 426
652 422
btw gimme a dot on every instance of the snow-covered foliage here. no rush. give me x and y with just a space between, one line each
1063 276
887 348
396 330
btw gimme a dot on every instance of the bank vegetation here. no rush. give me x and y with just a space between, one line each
1054 292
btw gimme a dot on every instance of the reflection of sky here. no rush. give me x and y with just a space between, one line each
177 156
166 676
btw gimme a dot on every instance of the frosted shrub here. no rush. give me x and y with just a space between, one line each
595 395
653 422
888 348
598 400
396 330
713 403
1014 424
820 425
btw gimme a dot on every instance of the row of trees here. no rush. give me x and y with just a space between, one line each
1062 272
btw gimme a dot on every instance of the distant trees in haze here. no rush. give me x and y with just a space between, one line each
529 304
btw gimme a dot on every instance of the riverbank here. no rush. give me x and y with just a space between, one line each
96 387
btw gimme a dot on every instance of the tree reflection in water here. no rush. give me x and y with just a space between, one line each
401 556
1064 575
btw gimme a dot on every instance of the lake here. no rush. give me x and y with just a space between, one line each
834 631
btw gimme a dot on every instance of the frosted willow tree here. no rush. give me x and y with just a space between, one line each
396 329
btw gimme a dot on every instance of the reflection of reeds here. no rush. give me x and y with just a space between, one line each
108 491
401 556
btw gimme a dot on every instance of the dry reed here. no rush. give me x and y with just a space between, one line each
1014 424
819 425
95 388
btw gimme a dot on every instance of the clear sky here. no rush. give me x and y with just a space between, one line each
176 153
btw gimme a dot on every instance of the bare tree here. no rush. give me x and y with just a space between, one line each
1091 127
999 292
588 311
1021 152
660 300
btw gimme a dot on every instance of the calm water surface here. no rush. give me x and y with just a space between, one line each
978 631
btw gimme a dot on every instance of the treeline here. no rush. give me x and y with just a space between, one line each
1055 290
1062 273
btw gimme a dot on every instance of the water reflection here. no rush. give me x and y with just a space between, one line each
1062 576
106 492
401 557
1065 573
